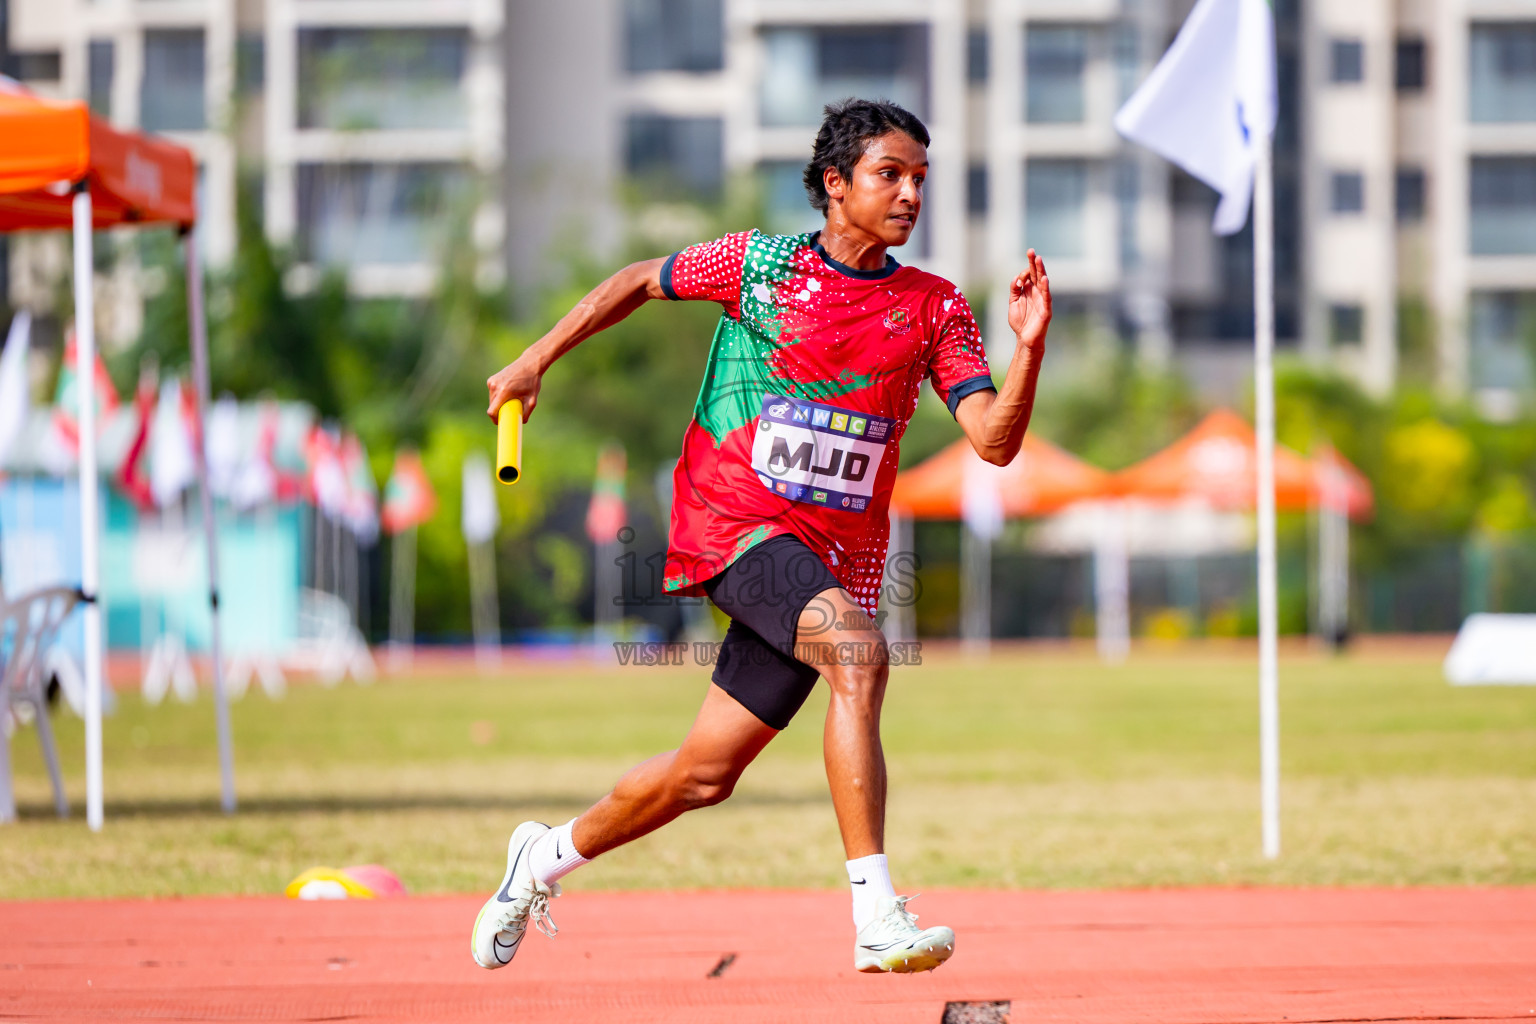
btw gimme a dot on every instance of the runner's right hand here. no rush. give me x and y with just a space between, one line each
521 380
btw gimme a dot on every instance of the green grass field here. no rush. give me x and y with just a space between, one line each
1038 768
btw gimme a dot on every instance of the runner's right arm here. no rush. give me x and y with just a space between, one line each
601 308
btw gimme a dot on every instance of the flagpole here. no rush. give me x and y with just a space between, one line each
1264 416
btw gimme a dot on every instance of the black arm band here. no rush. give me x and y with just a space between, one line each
666 278
968 387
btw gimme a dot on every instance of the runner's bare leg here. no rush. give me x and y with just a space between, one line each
725 738
851 741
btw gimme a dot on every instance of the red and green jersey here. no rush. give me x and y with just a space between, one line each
813 375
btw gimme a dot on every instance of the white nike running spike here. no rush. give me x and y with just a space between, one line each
893 942
503 921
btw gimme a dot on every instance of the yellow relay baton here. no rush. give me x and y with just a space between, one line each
509 442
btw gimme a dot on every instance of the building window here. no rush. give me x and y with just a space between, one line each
1503 206
33 66
100 65
1409 69
171 96
250 63
976 190
1127 206
1346 61
1346 324
372 79
1502 72
1408 194
1056 207
1055 58
1127 51
675 157
359 213
787 209
807 68
674 35
1346 192
1502 336
978 56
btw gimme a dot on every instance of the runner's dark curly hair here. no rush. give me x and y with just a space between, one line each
848 127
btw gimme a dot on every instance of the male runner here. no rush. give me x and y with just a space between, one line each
781 497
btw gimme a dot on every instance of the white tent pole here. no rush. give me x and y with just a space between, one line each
975 591
90 566
1264 414
1341 562
607 595
1112 583
199 328
484 610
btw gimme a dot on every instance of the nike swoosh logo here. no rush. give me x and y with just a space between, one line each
502 897
883 947
557 847
859 881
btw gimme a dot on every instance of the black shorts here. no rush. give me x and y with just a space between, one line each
764 591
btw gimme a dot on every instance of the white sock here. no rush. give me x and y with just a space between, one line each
553 855
869 878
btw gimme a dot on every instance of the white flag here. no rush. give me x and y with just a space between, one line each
172 461
481 517
1210 101
223 445
13 383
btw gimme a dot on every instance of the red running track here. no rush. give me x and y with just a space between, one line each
1170 955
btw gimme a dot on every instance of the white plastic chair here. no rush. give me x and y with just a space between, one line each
29 626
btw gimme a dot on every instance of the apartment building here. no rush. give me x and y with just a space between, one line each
366 130
1422 166
1405 161
1476 142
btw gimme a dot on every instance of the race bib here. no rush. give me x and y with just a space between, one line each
806 451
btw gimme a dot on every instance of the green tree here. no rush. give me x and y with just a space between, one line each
263 339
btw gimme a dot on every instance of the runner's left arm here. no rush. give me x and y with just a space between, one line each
995 421
601 308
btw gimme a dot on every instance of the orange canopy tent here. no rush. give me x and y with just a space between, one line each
1042 479
1218 460
60 167
49 148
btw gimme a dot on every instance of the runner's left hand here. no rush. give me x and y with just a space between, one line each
1029 304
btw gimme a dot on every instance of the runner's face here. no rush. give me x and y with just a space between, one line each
886 193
